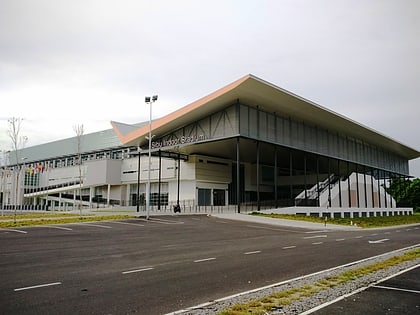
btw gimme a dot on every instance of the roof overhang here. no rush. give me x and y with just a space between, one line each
254 91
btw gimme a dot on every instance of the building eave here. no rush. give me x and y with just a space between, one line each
253 91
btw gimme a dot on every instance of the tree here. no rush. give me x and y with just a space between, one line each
18 142
406 192
79 134
414 194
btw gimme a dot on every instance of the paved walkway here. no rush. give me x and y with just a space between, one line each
283 222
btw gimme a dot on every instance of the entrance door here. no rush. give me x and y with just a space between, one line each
219 197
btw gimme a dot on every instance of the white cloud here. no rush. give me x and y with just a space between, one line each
92 61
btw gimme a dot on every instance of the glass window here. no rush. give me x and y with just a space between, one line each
204 197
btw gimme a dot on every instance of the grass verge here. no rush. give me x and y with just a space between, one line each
364 222
282 298
38 215
61 220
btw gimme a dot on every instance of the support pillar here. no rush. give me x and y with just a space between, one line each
108 194
258 176
179 178
138 182
160 177
275 178
238 177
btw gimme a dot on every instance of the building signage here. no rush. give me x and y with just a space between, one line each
177 141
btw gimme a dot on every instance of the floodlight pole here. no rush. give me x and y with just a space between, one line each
149 100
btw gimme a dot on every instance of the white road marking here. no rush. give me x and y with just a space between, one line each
59 228
96 225
317 243
127 223
37 286
379 241
340 239
289 247
170 246
315 236
18 231
137 270
317 308
360 236
182 311
161 221
254 252
273 229
205 259
396 289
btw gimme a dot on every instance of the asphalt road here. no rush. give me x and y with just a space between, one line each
167 263
395 296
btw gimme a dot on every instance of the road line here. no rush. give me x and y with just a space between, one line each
37 286
360 236
137 270
396 289
182 311
127 223
59 228
313 232
205 259
342 297
254 252
317 243
340 239
96 225
379 241
315 236
273 229
289 247
162 221
18 231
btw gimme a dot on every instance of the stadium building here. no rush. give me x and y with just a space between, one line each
247 146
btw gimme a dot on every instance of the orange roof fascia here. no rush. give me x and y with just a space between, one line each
142 131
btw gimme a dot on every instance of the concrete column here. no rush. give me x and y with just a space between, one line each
108 194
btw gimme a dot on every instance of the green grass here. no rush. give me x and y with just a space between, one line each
282 298
36 215
361 222
60 220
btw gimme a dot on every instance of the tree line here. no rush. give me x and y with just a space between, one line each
406 192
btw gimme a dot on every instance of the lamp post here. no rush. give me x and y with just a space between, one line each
149 100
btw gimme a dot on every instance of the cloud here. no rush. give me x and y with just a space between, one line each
92 61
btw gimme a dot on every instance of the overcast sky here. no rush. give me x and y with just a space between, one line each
64 63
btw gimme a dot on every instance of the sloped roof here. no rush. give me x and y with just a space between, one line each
255 91
95 141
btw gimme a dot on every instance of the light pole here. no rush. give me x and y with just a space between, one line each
149 100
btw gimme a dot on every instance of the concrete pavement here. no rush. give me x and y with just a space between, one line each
284 222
